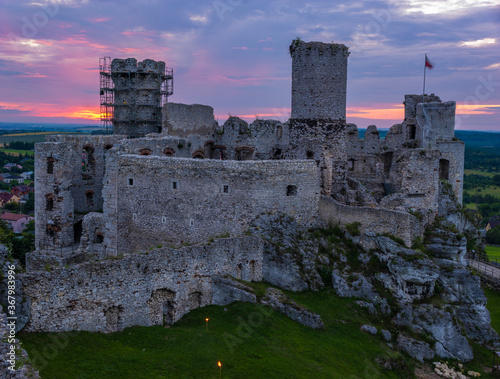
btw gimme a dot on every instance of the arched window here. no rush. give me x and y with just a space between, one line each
198 154
244 153
145 151
169 152
218 152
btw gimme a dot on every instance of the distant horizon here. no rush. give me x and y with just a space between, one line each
236 57
82 124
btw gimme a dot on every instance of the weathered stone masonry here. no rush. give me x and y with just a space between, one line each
176 200
68 183
112 208
155 287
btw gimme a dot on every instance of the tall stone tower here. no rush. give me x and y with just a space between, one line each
319 81
140 91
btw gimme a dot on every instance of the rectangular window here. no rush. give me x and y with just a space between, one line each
191 222
50 166
225 188
175 184
134 216
163 220
291 190
130 182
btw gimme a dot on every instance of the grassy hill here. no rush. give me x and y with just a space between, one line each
250 341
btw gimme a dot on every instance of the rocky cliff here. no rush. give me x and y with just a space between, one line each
435 303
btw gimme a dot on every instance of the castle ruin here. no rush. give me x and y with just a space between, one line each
145 220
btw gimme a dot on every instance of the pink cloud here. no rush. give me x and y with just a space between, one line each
139 31
242 48
100 19
32 75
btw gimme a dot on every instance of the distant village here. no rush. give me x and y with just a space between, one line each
16 192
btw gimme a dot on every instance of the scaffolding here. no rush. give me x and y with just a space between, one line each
167 86
107 93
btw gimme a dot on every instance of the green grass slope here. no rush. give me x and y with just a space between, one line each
493 252
251 341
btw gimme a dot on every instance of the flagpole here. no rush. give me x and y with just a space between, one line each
423 93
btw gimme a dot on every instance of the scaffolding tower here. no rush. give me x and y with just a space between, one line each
167 86
107 93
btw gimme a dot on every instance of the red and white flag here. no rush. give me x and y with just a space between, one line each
428 62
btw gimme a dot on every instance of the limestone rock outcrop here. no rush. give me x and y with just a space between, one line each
282 303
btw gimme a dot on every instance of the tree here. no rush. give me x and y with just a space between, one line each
493 236
30 203
22 244
15 183
30 227
5 234
18 244
12 207
496 180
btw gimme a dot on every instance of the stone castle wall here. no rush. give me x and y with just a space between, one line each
68 184
437 121
372 220
261 140
417 176
154 287
454 152
160 200
405 161
183 119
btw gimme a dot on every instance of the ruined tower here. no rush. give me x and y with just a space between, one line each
140 91
319 81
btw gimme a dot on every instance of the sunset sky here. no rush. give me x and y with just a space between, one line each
233 54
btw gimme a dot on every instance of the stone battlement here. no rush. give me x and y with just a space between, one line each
130 65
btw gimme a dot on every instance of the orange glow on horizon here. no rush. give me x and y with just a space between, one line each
70 112
53 110
476 108
394 113
389 112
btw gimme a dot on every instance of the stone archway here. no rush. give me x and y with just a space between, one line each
161 306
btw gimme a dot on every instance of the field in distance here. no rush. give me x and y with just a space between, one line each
27 137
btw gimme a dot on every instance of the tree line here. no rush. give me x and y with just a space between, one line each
19 145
